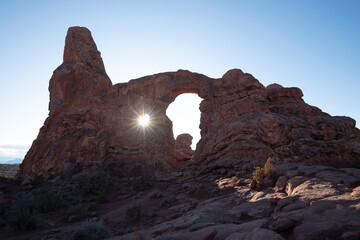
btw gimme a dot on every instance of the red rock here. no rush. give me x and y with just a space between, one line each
256 234
242 122
26 182
351 235
281 184
253 184
183 147
283 224
285 202
3 199
293 183
206 234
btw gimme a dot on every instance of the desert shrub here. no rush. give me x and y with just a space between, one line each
297 113
265 176
156 195
92 207
22 219
133 214
90 231
193 175
250 168
141 183
76 214
356 164
167 202
3 209
101 197
4 180
111 169
20 213
195 188
139 235
47 200
258 174
269 170
25 205
73 218
93 182
68 169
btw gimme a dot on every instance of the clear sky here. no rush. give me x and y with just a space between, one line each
314 45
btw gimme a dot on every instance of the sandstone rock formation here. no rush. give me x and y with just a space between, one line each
242 122
183 147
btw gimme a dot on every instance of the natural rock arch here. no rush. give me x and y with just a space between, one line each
242 122
184 112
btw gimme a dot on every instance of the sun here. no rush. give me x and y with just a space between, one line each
144 120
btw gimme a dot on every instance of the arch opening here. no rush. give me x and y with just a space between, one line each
184 112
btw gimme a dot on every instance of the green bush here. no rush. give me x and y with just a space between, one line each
167 202
250 168
265 176
193 175
68 169
139 235
133 214
90 231
258 174
195 188
112 169
141 183
25 205
20 213
22 219
356 164
76 214
93 182
47 201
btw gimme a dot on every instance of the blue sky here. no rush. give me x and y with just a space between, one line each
314 45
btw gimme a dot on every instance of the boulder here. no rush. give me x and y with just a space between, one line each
252 184
293 183
256 234
206 234
351 235
281 184
283 224
183 147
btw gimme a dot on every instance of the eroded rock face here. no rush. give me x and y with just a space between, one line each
183 147
242 122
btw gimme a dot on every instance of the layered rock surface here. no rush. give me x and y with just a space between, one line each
242 122
320 202
317 202
183 147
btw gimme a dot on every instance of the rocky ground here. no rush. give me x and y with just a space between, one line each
8 170
307 202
